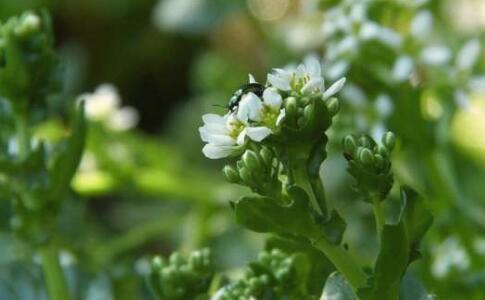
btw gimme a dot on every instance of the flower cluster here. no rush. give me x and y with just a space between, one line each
258 116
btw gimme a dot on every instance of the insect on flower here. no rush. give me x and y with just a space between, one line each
252 87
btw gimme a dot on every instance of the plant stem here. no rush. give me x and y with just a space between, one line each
343 262
303 181
53 274
379 217
23 133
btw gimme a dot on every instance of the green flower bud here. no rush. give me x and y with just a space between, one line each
251 160
291 106
365 141
158 263
29 23
231 174
266 155
349 144
176 259
379 161
333 106
389 140
245 175
382 150
304 101
365 156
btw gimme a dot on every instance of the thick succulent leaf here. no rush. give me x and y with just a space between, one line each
263 214
399 244
337 288
417 218
391 264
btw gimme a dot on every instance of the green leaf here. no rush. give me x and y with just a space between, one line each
263 214
399 244
317 156
337 288
66 163
417 218
391 264
333 228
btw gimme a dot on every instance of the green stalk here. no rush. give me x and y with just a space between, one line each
340 258
379 217
302 179
343 262
53 274
23 133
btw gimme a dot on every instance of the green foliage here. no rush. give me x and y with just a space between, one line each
399 247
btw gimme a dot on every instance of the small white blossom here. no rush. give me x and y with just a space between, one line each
223 134
104 105
468 55
268 112
436 55
305 78
422 25
403 67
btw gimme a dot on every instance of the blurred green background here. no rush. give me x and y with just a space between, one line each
148 190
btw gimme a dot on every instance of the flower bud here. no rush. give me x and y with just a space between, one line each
28 24
304 101
382 150
245 175
349 144
365 156
251 160
333 106
266 155
365 141
231 174
291 107
389 140
379 161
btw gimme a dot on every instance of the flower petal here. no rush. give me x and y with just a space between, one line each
213 118
249 108
251 78
272 98
241 137
313 66
279 81
334 88
258 134
312 85
215 151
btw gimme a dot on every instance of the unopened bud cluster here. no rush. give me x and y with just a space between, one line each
369 164
177 278
274 275
257 170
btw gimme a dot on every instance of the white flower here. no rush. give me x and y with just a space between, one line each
268 113
468 55
104 105
223 134
305 78
436 55
422 25
123 119
403 67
